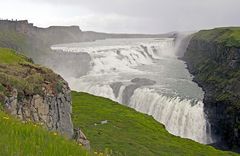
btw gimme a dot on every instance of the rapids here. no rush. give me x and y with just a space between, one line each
144 74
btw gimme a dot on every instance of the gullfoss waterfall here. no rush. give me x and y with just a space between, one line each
144 74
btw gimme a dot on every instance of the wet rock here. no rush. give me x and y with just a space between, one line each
128 92
116 88
80 138
143 81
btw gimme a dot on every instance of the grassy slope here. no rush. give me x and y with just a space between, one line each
8 56
229 36
27 139
129 132
19 72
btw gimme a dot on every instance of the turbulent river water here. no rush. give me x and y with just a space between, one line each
144 74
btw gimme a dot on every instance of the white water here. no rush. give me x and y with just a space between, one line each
174 100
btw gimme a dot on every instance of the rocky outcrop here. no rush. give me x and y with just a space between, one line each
81 139
136 83
213 58
32 92
53 111
49 36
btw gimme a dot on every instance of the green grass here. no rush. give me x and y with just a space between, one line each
9 56
17 71
229 36
129 132
28 139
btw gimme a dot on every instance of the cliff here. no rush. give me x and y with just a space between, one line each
32 92
33 41
213 57
59 34
49 36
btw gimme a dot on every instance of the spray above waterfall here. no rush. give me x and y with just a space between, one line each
146 75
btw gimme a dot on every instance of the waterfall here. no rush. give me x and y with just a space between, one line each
181 117
163 88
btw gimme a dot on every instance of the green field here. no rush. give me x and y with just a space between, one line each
228 36
28 139
19 72
129 132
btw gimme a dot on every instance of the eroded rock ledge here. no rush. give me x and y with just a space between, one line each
53 111
32 92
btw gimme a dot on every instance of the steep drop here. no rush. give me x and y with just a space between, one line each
146 75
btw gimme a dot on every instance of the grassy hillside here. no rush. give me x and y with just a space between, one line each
129 132
19 72
28 139
229 36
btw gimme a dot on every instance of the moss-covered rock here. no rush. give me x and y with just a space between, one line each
33 92
213 57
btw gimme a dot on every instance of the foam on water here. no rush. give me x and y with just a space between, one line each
174 100
182 117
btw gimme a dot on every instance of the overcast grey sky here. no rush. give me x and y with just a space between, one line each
130 16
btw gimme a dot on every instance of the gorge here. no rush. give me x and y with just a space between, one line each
142 72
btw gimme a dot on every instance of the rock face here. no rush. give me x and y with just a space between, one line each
213 58
137 83
32 92
49 36
52 111
81 139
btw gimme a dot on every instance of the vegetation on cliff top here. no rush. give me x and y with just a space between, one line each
229 36
213 65
213 58
128 132
17 71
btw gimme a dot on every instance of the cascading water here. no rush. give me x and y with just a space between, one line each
146 75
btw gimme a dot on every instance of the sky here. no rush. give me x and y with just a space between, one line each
126 16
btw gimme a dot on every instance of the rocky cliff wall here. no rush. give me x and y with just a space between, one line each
32 92
49 36
51 111
213 57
